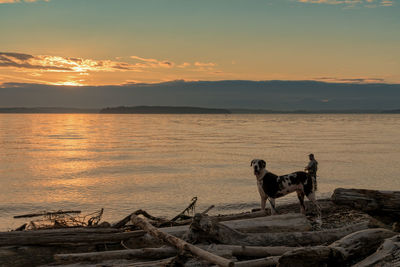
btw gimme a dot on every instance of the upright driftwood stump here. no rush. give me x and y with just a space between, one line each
205 229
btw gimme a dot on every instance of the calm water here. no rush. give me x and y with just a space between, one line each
159 162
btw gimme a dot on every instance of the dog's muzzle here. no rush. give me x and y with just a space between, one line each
256 171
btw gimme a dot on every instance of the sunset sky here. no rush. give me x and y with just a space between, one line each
115 42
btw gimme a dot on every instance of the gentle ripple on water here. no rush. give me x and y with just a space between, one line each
159 162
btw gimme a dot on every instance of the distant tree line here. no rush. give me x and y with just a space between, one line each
163 110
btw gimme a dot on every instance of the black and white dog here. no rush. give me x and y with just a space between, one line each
271 186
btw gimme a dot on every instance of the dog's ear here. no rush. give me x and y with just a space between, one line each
263 164
252 162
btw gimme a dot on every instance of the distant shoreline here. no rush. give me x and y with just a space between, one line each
163 110
178 110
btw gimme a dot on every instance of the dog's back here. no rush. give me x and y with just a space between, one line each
276 186
305 179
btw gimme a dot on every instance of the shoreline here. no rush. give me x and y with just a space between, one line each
346 212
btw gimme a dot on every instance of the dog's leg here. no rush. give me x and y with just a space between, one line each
263 202
300 195
272 202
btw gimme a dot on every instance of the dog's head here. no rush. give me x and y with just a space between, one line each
258 165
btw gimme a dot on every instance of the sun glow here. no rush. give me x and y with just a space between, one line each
69 83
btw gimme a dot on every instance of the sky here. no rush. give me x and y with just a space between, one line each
120 42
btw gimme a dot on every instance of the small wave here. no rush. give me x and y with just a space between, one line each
66 137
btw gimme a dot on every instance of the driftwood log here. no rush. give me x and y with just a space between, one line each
289 222
163 262
292 222
342 252
180 244
388 254
374 202
293 239
278 223
205 229
164 252
326 205
262 262
68 235
144 253
249 251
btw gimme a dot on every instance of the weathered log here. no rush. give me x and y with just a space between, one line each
67 235
293 239
144 253
93 235
254 251
102 235
247 251
292 222
263 262
205 229
278 223
164 252
180 244
388 254
21 256
371 201
240 216
344 251
326 205
163 262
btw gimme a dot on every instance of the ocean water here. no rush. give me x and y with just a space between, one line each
159 162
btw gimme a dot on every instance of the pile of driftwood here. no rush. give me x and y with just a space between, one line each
59 219
359 227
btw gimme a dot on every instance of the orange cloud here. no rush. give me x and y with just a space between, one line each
51 69
202 64
151 62
184 65
60 64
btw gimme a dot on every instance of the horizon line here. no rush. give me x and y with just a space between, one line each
233 110
338 81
